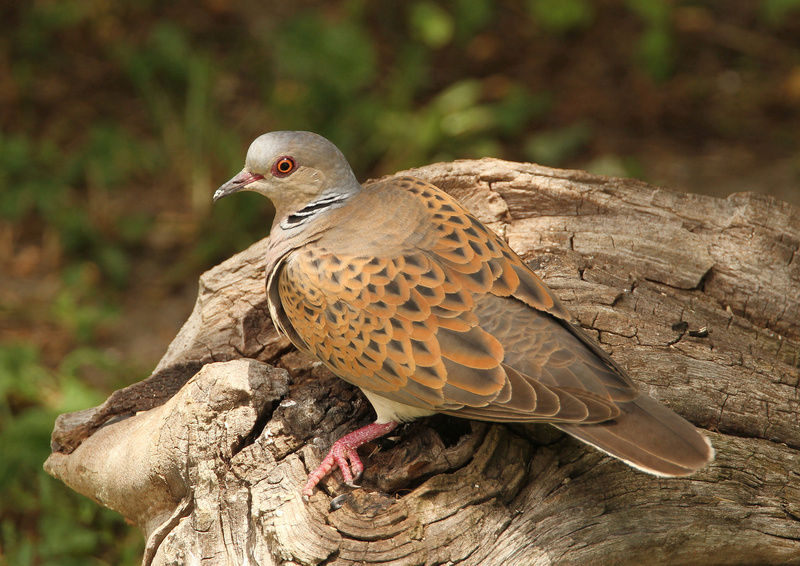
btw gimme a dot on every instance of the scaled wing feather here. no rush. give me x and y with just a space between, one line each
456 323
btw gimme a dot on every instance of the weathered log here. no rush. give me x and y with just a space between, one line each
698 297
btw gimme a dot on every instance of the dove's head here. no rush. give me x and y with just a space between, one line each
293 169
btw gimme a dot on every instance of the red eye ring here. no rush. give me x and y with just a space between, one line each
284 166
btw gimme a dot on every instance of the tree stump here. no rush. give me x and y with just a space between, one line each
698 297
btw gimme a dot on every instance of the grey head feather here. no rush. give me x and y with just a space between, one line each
309 150
321 181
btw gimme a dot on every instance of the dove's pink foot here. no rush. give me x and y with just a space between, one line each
343 454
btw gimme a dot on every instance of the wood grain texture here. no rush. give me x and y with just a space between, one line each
697 297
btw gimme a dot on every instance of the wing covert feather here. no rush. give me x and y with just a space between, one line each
456 324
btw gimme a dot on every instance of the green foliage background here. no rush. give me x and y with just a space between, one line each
119 119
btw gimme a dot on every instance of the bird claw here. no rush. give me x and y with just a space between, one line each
344 456
355 481
348 461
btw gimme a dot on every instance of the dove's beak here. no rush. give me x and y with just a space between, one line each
236 184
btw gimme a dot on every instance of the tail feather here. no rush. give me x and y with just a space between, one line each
649 437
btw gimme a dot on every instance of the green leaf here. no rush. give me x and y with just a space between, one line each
432 24
555 146
654 12
471 16
562 16
775 12
336 56
655 51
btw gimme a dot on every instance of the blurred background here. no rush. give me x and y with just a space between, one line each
119 119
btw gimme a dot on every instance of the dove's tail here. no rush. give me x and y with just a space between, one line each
649 437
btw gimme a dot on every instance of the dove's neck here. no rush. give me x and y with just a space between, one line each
312 211
291 230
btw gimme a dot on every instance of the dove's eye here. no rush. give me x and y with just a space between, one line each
284 166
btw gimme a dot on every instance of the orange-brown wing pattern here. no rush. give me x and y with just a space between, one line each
456 324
